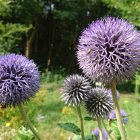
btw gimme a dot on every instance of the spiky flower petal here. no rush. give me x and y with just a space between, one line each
99 103
75 89
96 133
112 115
109 50
19 79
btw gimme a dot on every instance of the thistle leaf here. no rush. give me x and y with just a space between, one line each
70 127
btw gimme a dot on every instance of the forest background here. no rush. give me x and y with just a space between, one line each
48 30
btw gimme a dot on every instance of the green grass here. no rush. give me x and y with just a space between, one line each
46 110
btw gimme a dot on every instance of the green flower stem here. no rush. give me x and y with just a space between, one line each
22 111
107 130
81 121
100 128
117 111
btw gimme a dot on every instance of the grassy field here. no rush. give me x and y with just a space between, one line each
46 110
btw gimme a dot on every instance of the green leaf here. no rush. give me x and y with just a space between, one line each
87 118
115 129
90 137
25 133
70 127
87 137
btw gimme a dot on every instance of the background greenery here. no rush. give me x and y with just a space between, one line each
46 110
47 31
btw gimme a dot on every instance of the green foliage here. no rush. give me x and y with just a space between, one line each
90 137
87 137
53 76
115 129
16 20
128 9
67 11
87 118
24 134
137 84
71 127
127 86
11 36
4 7
21 11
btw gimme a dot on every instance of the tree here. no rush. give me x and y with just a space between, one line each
127 9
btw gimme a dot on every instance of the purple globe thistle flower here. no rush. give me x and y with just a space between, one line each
19 79
75 89
108 50
96 133
112 115
110 92
99 103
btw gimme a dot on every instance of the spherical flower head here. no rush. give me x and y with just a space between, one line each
96 133
99 103
19 79
109 50
112 115
75 89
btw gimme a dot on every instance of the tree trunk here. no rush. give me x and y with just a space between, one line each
31 36
29 44
52 26
73 57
